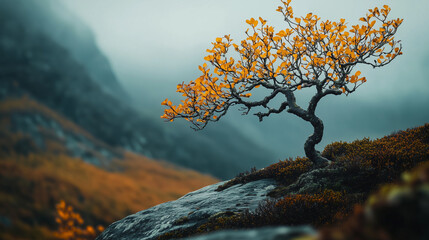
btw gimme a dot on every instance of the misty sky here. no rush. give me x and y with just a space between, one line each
153 45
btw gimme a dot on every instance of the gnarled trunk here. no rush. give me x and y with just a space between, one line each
310 116
315 138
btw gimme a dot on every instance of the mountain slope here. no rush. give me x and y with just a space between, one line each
45 158
51 19
42 55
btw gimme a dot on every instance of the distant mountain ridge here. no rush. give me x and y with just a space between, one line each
48 55
50 18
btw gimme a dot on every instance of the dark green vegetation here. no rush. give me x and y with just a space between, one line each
323 196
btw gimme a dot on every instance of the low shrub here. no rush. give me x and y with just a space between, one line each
314 209
391 155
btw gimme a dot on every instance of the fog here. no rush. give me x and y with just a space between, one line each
154 45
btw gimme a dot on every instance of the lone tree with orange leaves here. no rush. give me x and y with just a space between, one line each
309 53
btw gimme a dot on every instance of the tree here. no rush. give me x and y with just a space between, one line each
310 53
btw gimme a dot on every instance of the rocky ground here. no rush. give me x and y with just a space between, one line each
191 210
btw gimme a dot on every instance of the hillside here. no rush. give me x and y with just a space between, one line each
32 185
50 56
50 20
294 193
46 158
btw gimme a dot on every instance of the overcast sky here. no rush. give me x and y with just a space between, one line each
155 44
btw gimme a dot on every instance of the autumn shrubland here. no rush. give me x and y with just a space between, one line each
34 178
32 185
391 154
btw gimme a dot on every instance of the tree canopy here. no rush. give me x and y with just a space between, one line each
308 53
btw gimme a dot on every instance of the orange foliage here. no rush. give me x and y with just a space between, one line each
309 53
70 225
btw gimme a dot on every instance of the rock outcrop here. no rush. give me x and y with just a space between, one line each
190 210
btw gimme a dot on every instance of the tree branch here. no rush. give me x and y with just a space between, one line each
271 110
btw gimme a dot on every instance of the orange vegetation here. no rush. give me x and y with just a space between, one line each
31 185
70 225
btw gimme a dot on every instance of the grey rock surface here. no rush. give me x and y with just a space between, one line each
267 233
193 208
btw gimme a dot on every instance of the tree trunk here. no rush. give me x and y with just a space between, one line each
310 116
315 138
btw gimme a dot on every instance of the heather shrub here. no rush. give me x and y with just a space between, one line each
392 154
315 209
